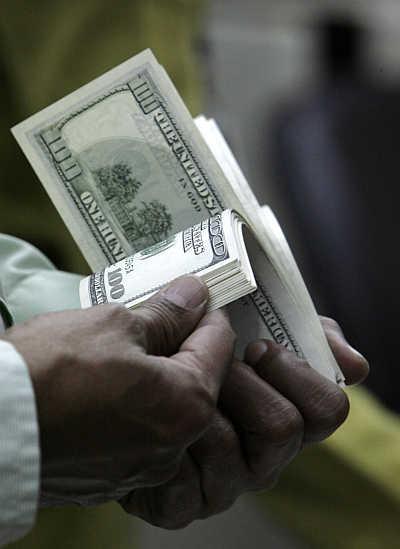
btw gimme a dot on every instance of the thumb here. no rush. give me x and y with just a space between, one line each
171 315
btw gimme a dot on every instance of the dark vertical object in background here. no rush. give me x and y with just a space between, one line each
337 160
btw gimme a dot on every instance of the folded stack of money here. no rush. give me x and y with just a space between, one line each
214 250
128 168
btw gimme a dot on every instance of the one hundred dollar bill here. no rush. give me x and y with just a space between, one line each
214 250
127 167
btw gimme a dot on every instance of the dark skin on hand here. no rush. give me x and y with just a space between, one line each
149 407
271 405
121 395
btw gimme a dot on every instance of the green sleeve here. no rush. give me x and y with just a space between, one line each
30 284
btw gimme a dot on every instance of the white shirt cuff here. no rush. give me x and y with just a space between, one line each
19 447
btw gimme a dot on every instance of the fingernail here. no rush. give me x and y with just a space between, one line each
188 292
255 351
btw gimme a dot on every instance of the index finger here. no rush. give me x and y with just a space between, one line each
209 349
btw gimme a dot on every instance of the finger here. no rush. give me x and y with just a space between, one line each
322 404
171 505
270 426
185 387
354 366
224 473
163 322
208 351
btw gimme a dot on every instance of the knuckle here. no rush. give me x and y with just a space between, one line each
160 507
113 314
287 425
228 445
339 407
193 424
136 325
162 320
115 311
329 410
188 411
194 414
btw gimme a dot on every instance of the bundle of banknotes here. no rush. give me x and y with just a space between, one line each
150 194
214 250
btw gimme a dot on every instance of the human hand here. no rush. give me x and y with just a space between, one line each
270 406
121 394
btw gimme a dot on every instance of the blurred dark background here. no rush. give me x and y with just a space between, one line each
307 93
